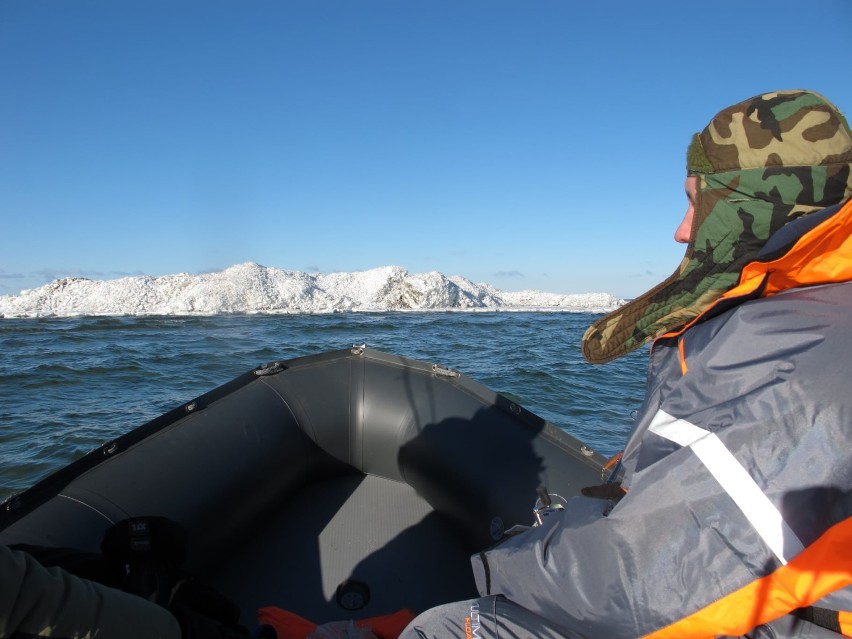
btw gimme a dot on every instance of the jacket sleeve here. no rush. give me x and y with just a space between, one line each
49 602
587 576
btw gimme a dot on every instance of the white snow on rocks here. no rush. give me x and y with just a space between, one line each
252 288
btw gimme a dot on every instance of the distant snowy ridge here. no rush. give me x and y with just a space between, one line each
252 288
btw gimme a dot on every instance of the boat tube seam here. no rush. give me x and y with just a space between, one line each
89 506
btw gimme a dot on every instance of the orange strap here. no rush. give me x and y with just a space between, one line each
844 618
821 568
289 625
610 464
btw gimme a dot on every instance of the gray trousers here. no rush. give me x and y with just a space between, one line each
486 618
498 618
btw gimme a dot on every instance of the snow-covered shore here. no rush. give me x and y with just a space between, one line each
252 288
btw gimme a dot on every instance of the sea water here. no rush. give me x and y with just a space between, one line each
68 385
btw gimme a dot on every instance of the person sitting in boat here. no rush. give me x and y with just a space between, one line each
731 513
51 602
128 590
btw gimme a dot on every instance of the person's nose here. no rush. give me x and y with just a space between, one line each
683 234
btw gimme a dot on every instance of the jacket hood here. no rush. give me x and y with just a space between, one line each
761 164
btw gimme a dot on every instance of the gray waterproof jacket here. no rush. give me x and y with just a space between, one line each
739 487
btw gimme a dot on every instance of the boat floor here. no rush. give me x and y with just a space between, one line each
358 528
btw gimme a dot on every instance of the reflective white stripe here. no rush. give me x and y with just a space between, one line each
735 480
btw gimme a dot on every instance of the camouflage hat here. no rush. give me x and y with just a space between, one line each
760 164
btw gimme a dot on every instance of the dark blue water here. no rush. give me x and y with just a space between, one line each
68 385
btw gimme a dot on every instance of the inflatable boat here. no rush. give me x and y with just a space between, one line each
344 485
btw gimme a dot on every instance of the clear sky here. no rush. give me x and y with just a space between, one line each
530 144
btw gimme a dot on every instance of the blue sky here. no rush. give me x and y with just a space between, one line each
534 144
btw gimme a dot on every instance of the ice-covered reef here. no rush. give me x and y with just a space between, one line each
252 288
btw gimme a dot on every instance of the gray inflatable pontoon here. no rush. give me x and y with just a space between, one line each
343 485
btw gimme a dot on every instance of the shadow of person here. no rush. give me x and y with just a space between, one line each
482 472
478 476
811 511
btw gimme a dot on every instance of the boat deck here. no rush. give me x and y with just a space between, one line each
355 528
